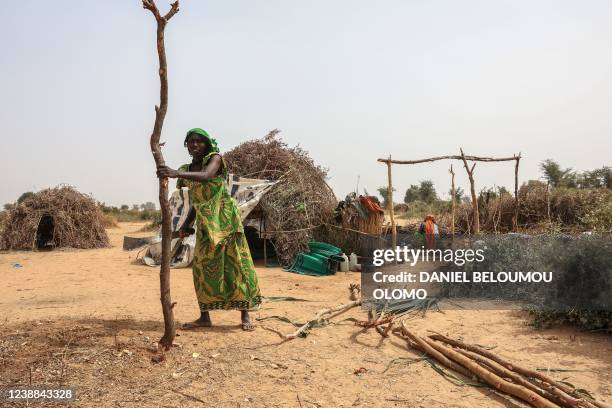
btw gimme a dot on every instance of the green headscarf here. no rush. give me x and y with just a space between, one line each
204 135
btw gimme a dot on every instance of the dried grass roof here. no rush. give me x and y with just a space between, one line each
301 200
77 220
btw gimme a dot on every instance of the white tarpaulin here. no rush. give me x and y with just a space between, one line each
247 193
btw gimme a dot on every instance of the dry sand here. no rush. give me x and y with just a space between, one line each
88 318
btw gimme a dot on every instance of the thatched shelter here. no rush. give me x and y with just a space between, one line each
296 208
358 226
54 218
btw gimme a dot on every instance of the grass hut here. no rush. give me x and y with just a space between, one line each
359 225
54 218
294 210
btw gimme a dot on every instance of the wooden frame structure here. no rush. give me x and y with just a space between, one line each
470 171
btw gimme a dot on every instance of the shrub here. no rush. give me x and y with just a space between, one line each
582 277
570 210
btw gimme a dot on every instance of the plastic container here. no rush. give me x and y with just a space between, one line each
344 264
353 265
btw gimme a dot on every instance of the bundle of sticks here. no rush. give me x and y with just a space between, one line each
475 362
469 360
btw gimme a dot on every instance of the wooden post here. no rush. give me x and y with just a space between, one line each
470 173
160 113
516 197
390 205
452 200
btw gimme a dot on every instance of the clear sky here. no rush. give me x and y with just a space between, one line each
348 80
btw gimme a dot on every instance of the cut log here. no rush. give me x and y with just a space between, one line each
547 381
492 379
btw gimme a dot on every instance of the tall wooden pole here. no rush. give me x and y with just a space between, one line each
516 197
470 173
390 205
160 113
453 193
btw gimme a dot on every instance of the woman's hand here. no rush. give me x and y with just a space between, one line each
165 171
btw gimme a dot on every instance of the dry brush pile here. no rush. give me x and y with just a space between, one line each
570 209
301 201
76 221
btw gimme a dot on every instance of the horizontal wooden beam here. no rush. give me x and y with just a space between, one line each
453 157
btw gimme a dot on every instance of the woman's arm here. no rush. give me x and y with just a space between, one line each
207 174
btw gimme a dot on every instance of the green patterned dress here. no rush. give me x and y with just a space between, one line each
223 272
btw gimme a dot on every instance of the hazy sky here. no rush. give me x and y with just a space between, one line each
350 81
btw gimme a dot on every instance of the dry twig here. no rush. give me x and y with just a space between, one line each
160 114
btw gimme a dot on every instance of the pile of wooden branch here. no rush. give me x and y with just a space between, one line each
469 360
477 363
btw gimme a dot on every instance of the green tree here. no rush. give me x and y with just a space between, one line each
458 194
558 177
383 193
598 178
125 207
427 191
412 194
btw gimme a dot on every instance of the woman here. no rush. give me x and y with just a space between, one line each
429 229
223 272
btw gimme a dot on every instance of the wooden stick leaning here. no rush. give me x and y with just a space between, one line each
160 113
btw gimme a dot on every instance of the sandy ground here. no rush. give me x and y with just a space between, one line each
88 319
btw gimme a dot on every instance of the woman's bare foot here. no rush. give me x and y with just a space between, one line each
203 321
247 325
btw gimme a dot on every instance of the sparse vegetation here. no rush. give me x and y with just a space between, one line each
569 201
138 213
384 193
582 277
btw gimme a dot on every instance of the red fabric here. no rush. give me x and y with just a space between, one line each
429 227
369 204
